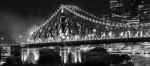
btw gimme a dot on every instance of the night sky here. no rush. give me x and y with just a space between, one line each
16 16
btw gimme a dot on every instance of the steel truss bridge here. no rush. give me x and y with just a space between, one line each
71 25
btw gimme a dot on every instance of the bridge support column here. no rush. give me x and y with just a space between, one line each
24 54
30 54
63 53
76 55
79 56
70 55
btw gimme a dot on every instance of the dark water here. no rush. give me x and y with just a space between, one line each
141 59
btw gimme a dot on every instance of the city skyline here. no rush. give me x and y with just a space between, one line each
74 31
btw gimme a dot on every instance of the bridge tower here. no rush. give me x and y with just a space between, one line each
68 54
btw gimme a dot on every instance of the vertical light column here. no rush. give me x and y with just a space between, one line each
61 54
36 55
62 8
68 50
25 53
79 56
65 56
141 34
75 56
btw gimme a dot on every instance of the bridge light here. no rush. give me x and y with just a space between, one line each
2 38
94 30
96 21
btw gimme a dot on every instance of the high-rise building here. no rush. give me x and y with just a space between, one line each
125 10
10 51
145 14
5 52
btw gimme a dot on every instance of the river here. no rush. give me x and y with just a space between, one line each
141 59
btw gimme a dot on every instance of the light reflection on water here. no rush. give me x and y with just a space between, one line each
145 55
141 59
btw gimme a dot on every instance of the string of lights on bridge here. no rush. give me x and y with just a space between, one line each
83 11
55 13
90 19
100 21
104 36
72 9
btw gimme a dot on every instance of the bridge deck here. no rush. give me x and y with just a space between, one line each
89 42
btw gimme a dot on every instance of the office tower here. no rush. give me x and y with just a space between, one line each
125 10
145 14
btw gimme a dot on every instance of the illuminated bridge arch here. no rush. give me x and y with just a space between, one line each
70 23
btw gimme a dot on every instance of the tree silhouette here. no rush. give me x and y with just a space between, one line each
49 56
97 55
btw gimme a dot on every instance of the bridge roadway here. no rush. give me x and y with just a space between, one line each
88 42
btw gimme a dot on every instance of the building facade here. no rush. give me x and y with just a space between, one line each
145 14
10 51
124 10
